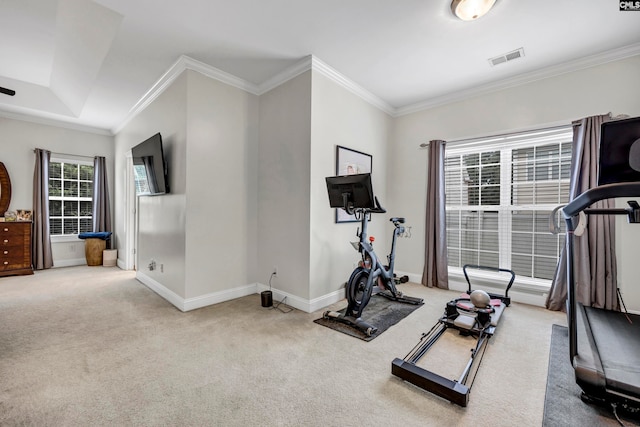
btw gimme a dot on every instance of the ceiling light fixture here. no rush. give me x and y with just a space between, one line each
469 10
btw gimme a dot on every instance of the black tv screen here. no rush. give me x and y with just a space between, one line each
354 190
620 151
149 167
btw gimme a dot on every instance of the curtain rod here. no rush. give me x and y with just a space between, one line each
68 155
503 135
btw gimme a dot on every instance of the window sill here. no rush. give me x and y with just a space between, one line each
487 279
65 239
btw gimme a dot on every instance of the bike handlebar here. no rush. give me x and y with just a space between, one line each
378 208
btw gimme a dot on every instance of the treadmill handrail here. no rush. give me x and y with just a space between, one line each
602 192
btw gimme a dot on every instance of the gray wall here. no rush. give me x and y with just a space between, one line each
247 174
552 101
283 190
162 219
222 180
341 118
19 138
301 123
202 235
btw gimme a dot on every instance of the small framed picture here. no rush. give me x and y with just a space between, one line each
23 215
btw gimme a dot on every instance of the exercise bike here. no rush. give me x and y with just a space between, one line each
371 275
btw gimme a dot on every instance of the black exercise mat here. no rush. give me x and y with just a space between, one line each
380 312
562 403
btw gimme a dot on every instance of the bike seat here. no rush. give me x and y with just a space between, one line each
398 220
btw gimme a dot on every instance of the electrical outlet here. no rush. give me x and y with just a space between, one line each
275 271
152 265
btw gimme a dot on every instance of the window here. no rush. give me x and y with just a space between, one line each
500 193
141 180
70 197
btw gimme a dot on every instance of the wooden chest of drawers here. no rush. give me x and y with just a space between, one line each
15 248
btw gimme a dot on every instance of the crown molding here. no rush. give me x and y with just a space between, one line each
184 63
567 67
54 122
217 74
311 62
158 87
307 63
351 86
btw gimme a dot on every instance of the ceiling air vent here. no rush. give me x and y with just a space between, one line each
506 57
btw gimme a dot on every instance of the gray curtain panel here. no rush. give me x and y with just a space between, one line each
101 206
41 254
594 252
435 273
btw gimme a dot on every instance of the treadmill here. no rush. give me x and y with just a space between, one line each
604 345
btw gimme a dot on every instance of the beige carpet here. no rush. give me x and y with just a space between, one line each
92 346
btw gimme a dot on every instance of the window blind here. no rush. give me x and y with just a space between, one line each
500 192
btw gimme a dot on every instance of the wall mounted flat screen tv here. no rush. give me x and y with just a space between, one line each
149 167
619 151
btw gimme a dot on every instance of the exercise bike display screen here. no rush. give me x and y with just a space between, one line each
620 151
353 190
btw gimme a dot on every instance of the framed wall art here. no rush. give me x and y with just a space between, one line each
350 162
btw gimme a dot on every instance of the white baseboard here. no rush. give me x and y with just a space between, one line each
189 304
413 278
308 306
69 262
218 297
161 290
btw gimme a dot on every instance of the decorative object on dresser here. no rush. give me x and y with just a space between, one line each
23 215
15 248
10 216
5 190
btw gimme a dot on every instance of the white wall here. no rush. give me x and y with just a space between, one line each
222 180
19 138
202 235
606 88
301 123
242 166
283 189
339 117
162 219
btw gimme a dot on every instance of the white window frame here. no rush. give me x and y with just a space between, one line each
86 161
506 144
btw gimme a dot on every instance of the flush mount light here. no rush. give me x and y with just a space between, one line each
469 10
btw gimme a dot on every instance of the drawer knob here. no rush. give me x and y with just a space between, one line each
6 229
6 252
6 263
6 241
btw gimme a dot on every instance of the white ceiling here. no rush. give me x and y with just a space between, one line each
88 63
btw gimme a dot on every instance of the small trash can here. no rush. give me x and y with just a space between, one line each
95 244
109 257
